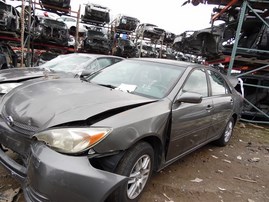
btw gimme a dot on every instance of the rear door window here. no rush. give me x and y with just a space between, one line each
218 84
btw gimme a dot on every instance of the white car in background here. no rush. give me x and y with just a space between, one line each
71 23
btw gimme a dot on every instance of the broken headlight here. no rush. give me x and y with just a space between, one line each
73 140
6 87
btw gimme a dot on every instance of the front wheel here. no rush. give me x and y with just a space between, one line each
227 134
137 164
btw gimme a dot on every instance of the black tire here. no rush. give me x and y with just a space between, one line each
227 134
140 153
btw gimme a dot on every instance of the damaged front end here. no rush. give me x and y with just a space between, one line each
65 153
95 41
9 18
126 23
72 175
51 31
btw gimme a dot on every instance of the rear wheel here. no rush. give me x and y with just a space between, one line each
137 164
227 134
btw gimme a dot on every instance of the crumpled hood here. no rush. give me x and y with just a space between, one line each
20 74
47 103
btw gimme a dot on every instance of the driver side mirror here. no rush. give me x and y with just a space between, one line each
190 97
85 73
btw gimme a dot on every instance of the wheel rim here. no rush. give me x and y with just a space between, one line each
228 132
139 176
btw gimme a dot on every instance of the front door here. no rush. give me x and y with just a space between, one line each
190 122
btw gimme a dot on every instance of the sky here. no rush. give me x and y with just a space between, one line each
169 14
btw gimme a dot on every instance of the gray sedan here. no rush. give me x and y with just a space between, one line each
101 138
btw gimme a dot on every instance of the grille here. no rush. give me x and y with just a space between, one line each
23 128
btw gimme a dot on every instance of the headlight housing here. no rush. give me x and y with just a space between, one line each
6 87
73 140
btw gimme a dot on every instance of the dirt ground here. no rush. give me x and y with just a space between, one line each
237 172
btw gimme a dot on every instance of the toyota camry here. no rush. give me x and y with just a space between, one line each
101 138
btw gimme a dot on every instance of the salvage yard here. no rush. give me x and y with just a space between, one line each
237 172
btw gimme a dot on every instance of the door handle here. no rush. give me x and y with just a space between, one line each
209 107
231 101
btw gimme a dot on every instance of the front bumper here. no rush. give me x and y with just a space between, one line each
51 176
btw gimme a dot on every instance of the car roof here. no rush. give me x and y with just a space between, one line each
168 62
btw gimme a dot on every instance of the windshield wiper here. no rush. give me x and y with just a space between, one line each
107 85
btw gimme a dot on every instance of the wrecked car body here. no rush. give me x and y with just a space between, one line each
96 41
125 48
52 4
96 13
148 30
204 42
169 37
8 58
102 138
218 40
71 23
127 23
50 30
147 51
9 18
254 35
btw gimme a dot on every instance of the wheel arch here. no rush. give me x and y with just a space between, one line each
156 144
235 117
110 163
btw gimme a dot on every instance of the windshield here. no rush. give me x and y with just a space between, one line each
149 79
67 63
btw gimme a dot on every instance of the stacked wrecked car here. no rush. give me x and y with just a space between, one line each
9 18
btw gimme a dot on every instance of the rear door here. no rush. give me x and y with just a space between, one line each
223 102
190 122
